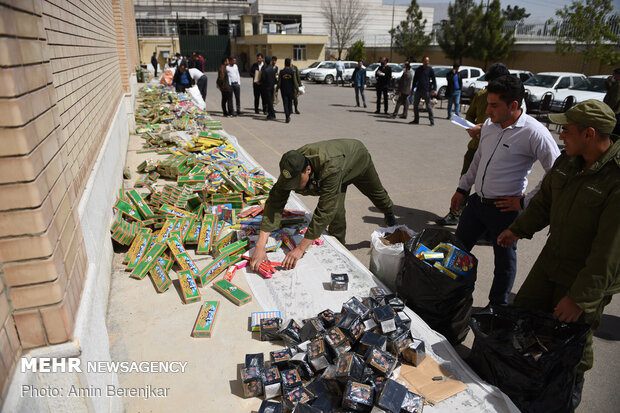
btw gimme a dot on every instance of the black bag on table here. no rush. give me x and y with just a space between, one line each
443 303
529 356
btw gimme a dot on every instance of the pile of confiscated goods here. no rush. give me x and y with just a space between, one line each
211 202
347 361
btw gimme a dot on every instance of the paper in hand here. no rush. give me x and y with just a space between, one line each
463 123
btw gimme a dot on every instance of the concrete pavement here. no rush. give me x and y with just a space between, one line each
419 165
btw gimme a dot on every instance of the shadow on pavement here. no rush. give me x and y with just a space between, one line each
416 219
359 245
609 328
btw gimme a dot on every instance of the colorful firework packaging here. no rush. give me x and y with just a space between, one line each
206 319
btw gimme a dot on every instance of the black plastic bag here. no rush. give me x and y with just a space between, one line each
530 356
443 303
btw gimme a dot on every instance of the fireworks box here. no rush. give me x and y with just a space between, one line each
232 292
255 360
403 320
235 199
174 211
170 225
378 293
189 289
141 206
206 319
368 340
382 362
298 361
357 396
272 382
370 325
215 268
124 232
318 355
235 248
148 260
392 396
180 255
296 396
207 233
394 301
355 306
291 379
350 366
269 329
351 325
415 352
385 318
306 408
340 282
138 247
399 341
270 407
251 382
193 235
127 209
311 329
290 332
412 403
160 278
457 263
259 315
280 358
328 318
337 341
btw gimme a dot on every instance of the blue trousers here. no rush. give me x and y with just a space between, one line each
454 99
478 217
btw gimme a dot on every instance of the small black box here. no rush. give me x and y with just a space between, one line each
413 403
255 360
337 340
403 320
328 318
270 407
351 325
298 361
312 328
269 329
370 339
385 317
296 396
291 331
392 396
340 282
280 358
378 293
251 382
318 356
395 302
415 352
330 380
353 305
397 343
350 367
290 379
382 362
272 382
306 408
357 396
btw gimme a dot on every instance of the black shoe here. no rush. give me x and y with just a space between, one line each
385 112
378 112
297 112
414 122
288 119
402 117
449 219
256 111
365 105
393 116
390 219
449 117
432 123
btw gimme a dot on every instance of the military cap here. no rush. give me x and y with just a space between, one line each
291 167
589 113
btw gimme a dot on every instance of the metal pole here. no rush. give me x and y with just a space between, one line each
392 31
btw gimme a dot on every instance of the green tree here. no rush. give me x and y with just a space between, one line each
492 42
456 34
585 26
409 38
357 51
515 14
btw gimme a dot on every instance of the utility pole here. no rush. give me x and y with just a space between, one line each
392 31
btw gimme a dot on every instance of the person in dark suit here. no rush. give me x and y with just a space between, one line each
257 67
154 62
384 79
267 83
359 82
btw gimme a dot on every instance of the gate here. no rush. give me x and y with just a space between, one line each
213 48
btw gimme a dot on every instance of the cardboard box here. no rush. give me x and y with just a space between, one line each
189 289
232 292
160 278
257 316
148 260
206 319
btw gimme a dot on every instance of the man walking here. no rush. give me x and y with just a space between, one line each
324 169
383 75
404 90
339 71
287 83
425 86
578 270
255 73
453 90
154 63
359 82
299 84
511 141
235 81
267 83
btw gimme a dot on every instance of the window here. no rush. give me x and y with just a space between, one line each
463 73
475 72
564 83
299 52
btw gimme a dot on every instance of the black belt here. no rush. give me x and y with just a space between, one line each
488 201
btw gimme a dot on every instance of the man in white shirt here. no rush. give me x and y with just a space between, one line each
339 71
511 141
200 79
235 81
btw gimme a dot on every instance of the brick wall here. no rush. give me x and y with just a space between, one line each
66 64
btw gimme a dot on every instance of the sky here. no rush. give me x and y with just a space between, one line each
540 10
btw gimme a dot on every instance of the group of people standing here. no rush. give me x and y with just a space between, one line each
229 83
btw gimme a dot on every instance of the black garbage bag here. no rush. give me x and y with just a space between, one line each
529 356
443 303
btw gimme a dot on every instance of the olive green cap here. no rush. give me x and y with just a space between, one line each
589 113
291 167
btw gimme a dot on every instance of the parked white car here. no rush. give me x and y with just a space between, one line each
304 72
326 73
468 74
592 87
481 82
548 82
372 70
